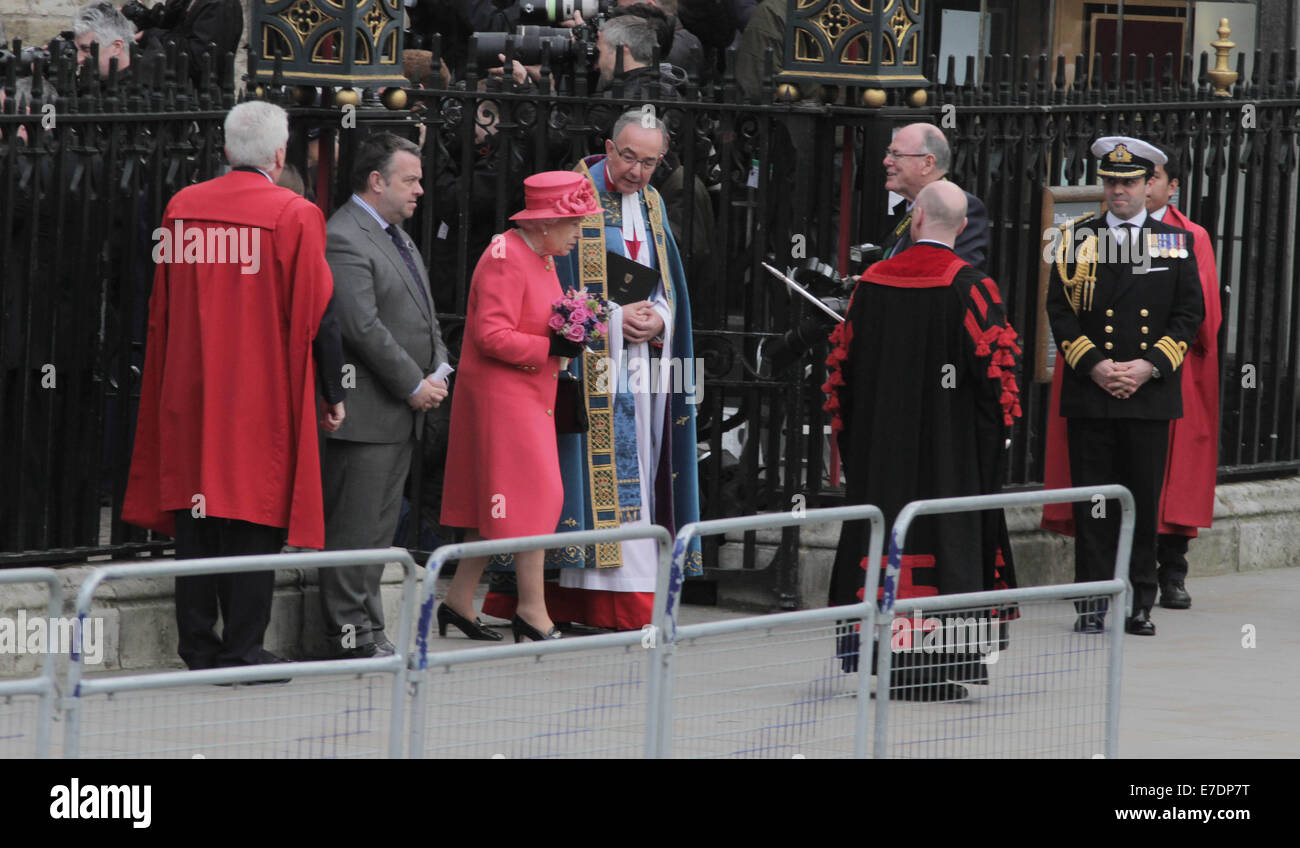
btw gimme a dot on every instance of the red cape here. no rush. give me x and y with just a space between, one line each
1187 498
227 401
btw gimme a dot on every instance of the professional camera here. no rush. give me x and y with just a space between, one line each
558 11
137 13
568 46
27 58
824 283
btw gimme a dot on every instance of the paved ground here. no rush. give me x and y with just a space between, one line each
1197 690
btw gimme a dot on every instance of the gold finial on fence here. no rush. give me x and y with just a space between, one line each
1222 76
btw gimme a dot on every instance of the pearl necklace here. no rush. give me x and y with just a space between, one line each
546 258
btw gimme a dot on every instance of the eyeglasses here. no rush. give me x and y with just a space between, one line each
891 153
630 158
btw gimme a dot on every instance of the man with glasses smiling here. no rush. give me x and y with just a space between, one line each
918 156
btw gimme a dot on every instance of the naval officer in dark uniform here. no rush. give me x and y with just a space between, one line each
1124 303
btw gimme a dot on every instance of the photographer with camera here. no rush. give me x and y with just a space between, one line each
196 25
101 23
678 46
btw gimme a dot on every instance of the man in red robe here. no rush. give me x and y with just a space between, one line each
226 458
922 392
1187 496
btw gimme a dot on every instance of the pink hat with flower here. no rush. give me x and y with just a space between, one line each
557 194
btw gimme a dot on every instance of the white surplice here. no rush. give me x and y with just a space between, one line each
640 560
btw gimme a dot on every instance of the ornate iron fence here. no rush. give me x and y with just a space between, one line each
746 181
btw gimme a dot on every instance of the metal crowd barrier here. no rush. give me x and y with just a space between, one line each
585 697
1051 691
17 716
180 713
762 686
772 685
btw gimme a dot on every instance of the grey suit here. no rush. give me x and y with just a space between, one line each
391 339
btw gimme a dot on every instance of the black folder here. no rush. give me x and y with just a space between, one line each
629 281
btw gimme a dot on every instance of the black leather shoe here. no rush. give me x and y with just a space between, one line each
475 629
366 651
1090 622
1140 624
523 629
930 693
264 657
1173 595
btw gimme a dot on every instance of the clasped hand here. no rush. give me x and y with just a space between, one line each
641 322
1121 379
430 394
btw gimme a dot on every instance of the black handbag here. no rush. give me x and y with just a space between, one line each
570 405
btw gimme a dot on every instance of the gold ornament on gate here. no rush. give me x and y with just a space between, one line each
873 98
1222 76
394 98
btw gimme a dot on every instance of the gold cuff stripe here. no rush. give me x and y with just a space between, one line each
1171 349
1077 349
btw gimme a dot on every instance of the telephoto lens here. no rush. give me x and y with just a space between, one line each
528 45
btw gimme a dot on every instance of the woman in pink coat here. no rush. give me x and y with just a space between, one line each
503 472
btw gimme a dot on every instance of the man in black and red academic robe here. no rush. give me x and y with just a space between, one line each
226 457
923 393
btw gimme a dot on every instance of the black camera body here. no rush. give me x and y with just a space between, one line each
833 290
137 13
25 60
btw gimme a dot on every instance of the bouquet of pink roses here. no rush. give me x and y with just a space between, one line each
579 317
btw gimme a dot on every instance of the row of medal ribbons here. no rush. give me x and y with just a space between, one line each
1167 245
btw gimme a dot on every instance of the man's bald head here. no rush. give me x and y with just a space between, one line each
939 214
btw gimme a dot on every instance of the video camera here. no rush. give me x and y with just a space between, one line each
824 283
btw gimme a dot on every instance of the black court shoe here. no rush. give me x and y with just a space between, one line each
473 629
523 628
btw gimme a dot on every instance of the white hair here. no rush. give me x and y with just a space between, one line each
255 130
642 117
105 23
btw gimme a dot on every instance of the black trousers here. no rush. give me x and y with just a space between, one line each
1171 552
244 600
1131 452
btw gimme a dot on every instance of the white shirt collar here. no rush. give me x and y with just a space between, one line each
1159 214
1116 223
356 198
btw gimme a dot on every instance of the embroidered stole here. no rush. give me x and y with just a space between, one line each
613 473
